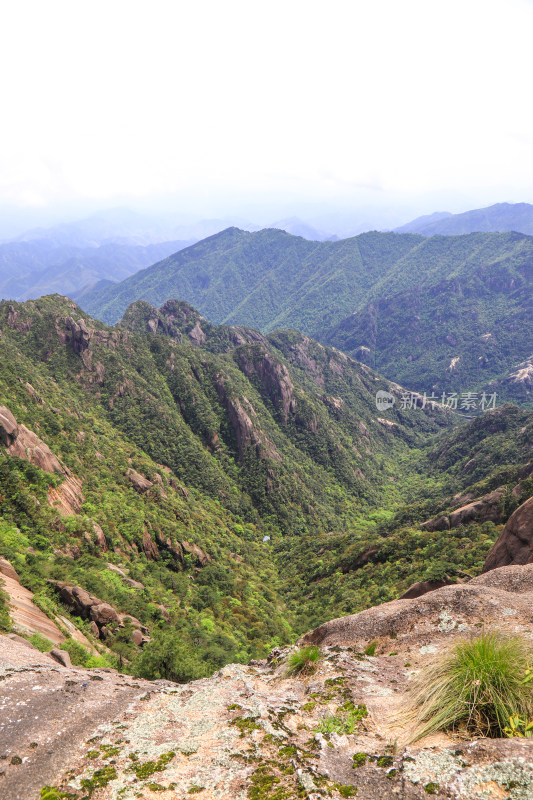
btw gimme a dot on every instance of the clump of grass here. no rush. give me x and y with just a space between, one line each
303 661
370 649
476 686
342 723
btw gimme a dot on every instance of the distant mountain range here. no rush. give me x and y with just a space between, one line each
497 218
30 269
435 314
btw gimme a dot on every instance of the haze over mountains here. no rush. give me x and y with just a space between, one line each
498 217
435 314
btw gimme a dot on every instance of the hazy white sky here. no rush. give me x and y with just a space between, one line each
218 101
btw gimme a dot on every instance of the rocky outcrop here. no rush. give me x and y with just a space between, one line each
87 606
21 442
138 481
515 543
7 569
441 523
423 587
61 656
199 736
68 497
149 547
484 509
459 607
273 376
197 553
247 433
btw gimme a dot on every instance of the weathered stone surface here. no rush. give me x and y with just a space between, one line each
8 427
210 727
61 656
150 547
138 481
104 614
67 498
273 376
23 443
87 606
441 523
247 433
515 543
423 587
486 509
197 552
6 568
479 601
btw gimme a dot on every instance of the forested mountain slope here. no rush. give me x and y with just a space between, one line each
441 313
247 485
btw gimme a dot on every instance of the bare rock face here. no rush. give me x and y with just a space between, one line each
198 554
436 524
273 376
80 335
423 587
457 607
138 481
8 427
515 543
484 509
23 443
149 546
7 569
247 433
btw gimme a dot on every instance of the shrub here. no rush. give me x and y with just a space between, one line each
79 655
478 684
519 727
303 661
370 649
41 642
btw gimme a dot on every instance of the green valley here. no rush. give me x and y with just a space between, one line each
224 488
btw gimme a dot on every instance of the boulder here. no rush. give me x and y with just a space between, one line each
104 614
137 638
61 656
515 543
436 524
423 587
138 481
7 569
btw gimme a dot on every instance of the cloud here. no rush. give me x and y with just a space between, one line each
125 100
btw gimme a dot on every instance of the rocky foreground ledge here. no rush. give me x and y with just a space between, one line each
250 732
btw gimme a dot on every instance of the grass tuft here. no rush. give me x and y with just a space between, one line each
476 686
303 661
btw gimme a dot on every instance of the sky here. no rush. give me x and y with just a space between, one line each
384 107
